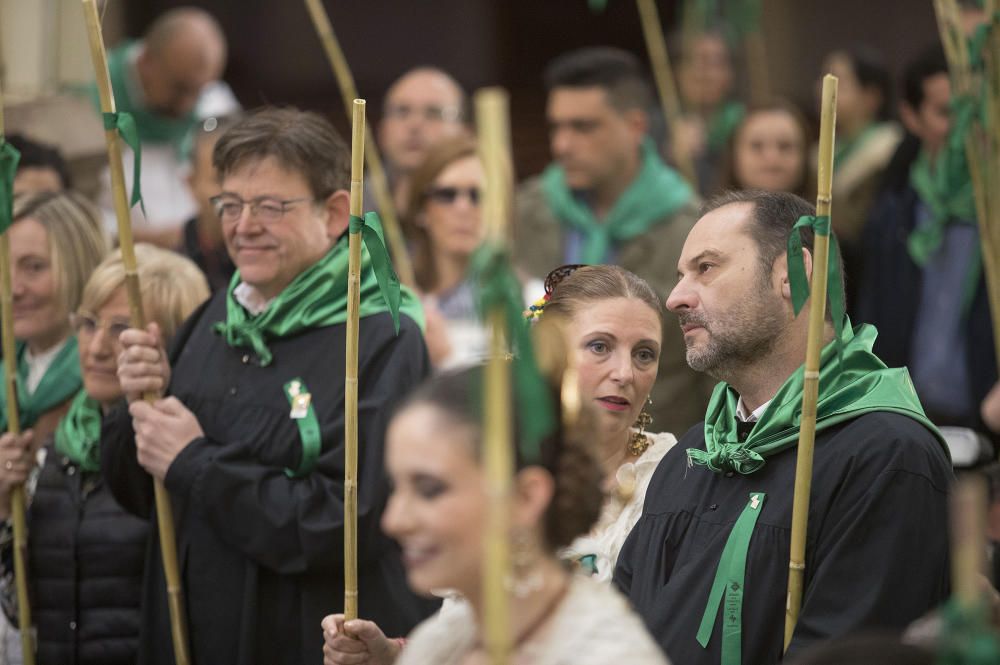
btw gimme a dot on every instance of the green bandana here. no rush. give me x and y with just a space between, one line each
9 157
61 381
657 192
859 384
78 436
153 127
722 124
314 299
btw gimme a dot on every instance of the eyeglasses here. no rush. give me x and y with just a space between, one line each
426 113
88 324
265 209
449 195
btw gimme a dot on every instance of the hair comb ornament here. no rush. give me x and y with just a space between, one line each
552 280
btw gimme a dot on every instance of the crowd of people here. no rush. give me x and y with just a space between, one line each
653 523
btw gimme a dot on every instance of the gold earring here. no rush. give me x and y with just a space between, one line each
638 442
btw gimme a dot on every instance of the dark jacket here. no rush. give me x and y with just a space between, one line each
261 553
86 557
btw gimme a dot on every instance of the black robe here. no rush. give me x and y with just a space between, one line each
261 554
876 552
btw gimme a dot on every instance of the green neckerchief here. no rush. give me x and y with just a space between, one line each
314 299
967 636
657 192
722 123
153 127
858 384
847 147
78 436
60 382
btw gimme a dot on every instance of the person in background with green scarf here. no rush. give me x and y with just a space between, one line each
609 198
169 82
706 566
924 287
86 555
706 85
249 442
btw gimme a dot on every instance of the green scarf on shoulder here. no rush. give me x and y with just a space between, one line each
315 299
657 192
722 123
860 383
153 127
61 381
78 436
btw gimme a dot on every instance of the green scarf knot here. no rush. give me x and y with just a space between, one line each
61 381
316 298
727 457
370 228
124 124
654 195
858 383
9 157
78 436
498 287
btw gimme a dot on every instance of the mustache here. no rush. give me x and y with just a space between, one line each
685 318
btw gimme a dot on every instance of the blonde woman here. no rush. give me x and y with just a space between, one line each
86 554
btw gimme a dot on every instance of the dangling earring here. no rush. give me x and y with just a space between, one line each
525 578
638 442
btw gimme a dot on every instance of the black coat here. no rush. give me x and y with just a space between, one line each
262 553
876 548
86 557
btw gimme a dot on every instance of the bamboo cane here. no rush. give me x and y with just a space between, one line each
137 319
968 541
379 182
810 387
18 500
351 371
665 84
492 124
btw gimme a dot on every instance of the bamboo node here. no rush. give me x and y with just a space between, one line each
824 199
795 565
811 374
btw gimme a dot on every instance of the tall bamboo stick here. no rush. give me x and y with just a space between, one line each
968 541
493 124
351 367
17 497
379 182
137 319
810 387
666 86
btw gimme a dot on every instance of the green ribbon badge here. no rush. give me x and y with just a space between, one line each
370 228
300 401
124 124
9 157
730 579
799 283
498 287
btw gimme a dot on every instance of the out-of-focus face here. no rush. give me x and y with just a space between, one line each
37 180
590 139
452 214
769 152
203 180
705 76
438 505
174 79
270 253
730 310
857 105
932 120
421 109
40 318
97 339
617 344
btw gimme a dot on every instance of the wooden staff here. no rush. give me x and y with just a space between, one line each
665 84
351 367
137 319
968 541
380 184
493 124
18 500
810 386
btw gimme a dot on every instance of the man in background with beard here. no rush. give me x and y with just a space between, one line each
706 566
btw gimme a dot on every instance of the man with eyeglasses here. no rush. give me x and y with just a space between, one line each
168 81
609 198
249 442
422 107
